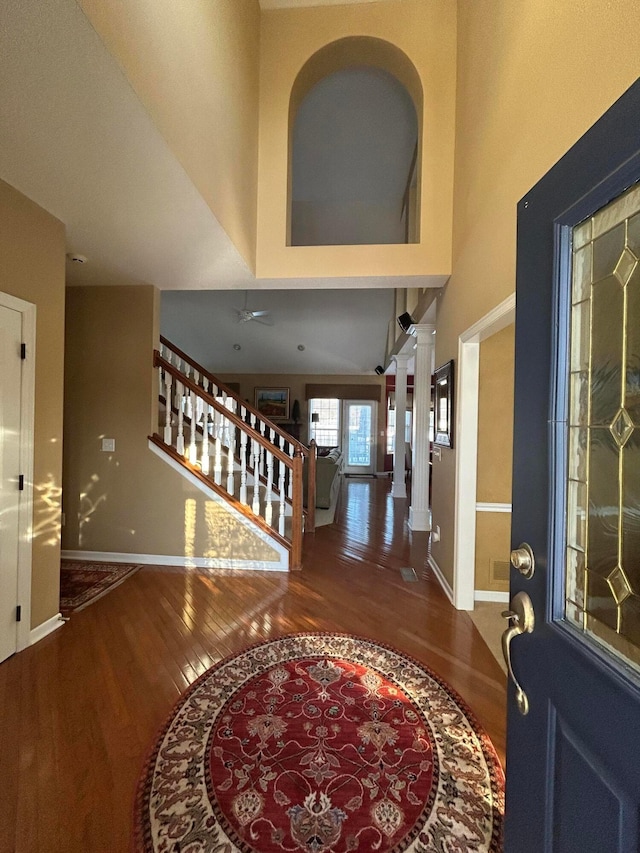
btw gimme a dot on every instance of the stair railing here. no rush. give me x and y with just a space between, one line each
200 430
270 430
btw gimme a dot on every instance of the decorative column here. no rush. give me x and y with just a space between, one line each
420 511
399 488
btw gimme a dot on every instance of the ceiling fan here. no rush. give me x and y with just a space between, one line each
244 315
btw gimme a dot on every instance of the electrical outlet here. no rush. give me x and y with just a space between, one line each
108 445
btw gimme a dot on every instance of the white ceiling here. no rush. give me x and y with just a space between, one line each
342 331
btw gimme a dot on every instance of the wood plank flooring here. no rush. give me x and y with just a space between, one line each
80 709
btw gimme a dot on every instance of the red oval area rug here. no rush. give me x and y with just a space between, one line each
320 742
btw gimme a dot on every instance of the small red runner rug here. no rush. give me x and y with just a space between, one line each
320 742
82 583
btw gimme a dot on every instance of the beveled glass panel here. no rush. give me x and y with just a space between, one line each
630 619
582 274
606 350
579 407
631 510
578 453
577 527
632 391
607 251
633 234
575 576
600 600
582 234
580 332
618 210
604 498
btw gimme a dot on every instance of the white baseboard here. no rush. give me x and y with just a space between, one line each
490 595
182 562
45 628
444 583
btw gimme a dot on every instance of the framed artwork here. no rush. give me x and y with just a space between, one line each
443 404
273 403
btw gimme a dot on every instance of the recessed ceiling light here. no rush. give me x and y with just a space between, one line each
75 258
237 346
301 347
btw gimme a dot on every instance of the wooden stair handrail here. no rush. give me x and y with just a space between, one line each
159 361
252 409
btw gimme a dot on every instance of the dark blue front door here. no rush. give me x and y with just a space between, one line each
573 757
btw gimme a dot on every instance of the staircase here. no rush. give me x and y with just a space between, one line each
233 450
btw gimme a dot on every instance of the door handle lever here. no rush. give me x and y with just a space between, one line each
521 621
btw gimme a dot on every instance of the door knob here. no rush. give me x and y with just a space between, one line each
521 621
523 560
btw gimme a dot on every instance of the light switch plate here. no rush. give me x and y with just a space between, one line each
109 444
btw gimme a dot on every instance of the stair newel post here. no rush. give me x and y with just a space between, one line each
256 447
180 407
243 468
281 472
193 406
204 458
311 487
168 379
268 510
297 519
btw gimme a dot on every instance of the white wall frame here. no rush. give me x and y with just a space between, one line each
467 455
25 497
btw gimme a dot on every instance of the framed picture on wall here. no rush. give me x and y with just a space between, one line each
273 403
443 404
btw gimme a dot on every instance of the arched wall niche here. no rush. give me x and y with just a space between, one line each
350 54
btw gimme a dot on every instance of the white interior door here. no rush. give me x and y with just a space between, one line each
10 407
358 436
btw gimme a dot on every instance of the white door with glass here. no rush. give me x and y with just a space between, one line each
358 436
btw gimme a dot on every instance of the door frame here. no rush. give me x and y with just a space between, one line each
464 544
25 497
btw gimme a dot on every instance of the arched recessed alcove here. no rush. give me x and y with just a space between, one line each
355 124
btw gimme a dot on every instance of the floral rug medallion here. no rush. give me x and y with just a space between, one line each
323 743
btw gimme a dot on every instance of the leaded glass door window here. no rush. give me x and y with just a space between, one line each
603 494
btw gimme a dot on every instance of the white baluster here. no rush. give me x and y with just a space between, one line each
268 510
290 484
256 477
243 468
282 499
204 458
167 406
180 406
230 473
217 459
193 450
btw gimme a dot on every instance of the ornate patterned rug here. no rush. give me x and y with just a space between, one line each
320 742
82 583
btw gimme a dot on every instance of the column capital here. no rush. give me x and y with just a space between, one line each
402 360
421 330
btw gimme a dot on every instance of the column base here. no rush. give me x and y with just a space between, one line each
419 519
398 490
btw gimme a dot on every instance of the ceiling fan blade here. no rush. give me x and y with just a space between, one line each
260 313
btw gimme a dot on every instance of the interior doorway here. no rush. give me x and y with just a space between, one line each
17 384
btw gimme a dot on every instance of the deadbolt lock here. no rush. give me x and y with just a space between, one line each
523 560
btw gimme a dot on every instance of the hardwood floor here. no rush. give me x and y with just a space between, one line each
80 709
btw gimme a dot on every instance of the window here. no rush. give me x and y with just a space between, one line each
324 422
391 428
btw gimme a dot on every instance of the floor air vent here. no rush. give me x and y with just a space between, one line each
409 575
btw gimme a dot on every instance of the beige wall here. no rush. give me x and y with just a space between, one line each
32 262
532 78
426 33
296 384
495 449
129 501
194 66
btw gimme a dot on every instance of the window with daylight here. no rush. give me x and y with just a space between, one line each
391 428
324 422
